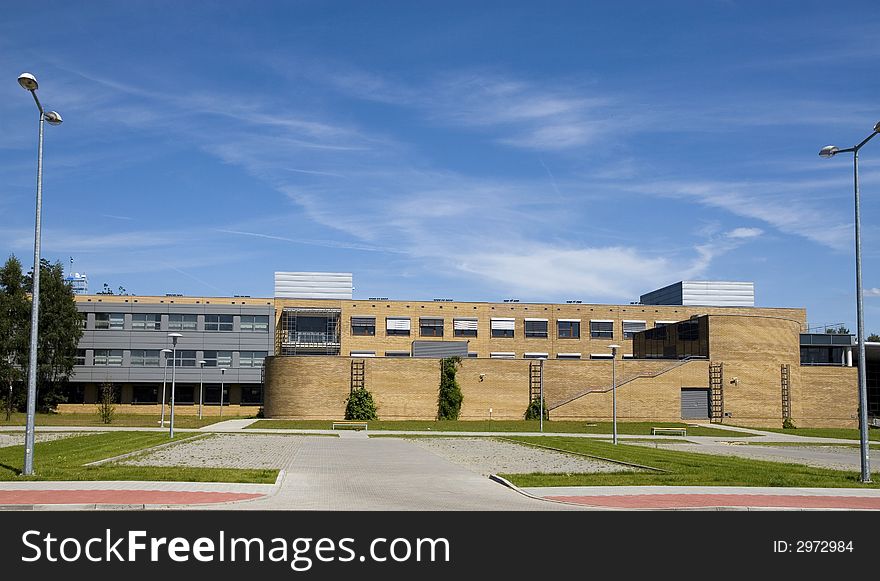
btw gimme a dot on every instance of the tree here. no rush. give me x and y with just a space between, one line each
106 399
873 338
14 331
60 328
360 405
841 330
533 412
450 396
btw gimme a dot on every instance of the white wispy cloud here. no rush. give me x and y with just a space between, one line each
872 292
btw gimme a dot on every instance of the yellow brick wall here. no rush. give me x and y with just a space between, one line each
830 397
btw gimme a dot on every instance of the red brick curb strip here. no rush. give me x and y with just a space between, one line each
667 501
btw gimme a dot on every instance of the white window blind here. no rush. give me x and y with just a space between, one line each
397 324
503 355
503 324
464 324
630 327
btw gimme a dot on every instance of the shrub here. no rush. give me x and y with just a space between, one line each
533 410
360 406
105 403
788 424
450 397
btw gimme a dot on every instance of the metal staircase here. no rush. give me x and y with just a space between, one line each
716 386
534 380
786 390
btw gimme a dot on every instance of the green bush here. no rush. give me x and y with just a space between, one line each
450 397
360 406
106 400
533 410
788 424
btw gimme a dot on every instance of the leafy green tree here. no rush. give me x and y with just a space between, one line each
873 338
14 332
533 411
841 330
450 396
60 328
360 406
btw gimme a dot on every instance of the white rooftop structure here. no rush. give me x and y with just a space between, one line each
707 293
313 285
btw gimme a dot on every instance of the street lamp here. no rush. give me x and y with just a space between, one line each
201 370
614 349
222 373
174 337
164 378
29 83
828 152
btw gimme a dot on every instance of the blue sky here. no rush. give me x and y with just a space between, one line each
479 151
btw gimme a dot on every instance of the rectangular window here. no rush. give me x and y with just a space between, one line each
146 321
464 327
363 326
502 355
145 394
251 358
568 355
472 355
397 326
602 329
397 354
254 324
84 319
630 328
212 394
108 357
218 322
80 358
502 327
218 358
115 321
663 323
185 358
430 327
251 395
600 355
568 328
362 353
182 322
536 328
535 355
688 331
145 358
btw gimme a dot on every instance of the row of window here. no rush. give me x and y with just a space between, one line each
185 358
499 327
499 355
178 322
185 394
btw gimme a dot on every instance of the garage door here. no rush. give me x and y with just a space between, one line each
694 403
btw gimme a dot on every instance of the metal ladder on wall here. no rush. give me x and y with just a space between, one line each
716 385
357 374
534 380
786 392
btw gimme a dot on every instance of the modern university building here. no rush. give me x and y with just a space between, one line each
696 350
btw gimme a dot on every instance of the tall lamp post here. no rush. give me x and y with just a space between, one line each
828 152
174 338
614 349
222 373
165 352
201 371
29 83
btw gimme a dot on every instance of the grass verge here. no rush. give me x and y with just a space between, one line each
556 426
119 420
683 469
64 459
842 433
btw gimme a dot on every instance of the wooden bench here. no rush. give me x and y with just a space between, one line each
348 425
671 431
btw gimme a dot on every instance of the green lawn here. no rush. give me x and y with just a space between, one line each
120 420
683 469
64 459
844 433
627 428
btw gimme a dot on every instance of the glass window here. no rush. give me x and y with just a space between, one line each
534 356
145 358
251 358
146 321
109 321
212 394
145 394
186 358
431 327
254 323
397 326
502 327
568 329
536 329
602 329
397 354
80 357
108 357
630 328
502 355
251 395
182 322
464 327
84 319
363 326
218 358
218 322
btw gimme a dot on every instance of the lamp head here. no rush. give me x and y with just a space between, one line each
174 337
614 348
28 82
222 370
166 351
202 363
53 117
830 150
877 127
